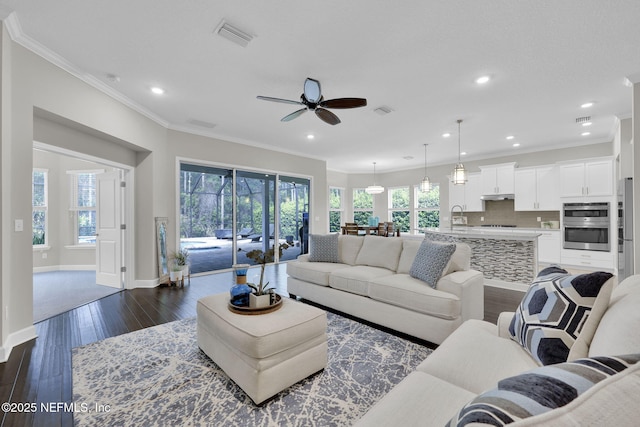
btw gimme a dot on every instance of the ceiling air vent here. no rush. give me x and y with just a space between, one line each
233 34
584 119
383 110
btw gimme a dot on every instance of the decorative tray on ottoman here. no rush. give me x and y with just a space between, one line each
260 310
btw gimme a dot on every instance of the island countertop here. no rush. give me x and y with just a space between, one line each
486 233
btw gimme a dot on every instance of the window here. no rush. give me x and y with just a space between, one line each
336 209
83 205
428 207
399 208
39 206
362 206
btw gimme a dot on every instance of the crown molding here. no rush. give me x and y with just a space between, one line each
17 35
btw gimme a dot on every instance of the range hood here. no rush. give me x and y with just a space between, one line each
497 197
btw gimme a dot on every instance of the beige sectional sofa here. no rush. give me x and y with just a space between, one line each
479 354
371 281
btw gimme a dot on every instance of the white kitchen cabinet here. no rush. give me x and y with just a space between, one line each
467 195
586 179
497 179
549 245
536 189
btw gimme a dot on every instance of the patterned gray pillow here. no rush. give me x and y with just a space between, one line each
539 391
431 260
323 248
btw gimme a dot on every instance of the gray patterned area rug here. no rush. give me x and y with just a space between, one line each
158 376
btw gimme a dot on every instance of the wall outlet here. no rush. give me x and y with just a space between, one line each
481 219
539 219
44 255
19 225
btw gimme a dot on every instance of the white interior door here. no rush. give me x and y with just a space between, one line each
108 229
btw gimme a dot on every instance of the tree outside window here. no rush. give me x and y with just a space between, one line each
39 206
428 207
362 206
399 208
336 209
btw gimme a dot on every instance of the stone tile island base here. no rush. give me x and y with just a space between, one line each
508 257
267 353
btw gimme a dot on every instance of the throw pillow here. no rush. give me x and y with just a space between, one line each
539 391
553 312
323 248
431 260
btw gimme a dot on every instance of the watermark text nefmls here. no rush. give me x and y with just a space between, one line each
73 407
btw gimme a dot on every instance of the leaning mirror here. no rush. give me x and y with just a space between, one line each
161 238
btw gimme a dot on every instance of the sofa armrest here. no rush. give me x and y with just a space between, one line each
303 258
504 320
468 286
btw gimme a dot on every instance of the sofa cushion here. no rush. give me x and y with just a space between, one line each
313 272
553 312
409 250
617 331
349 247
356 279
431 261
475 348
323 248
460 260
418 400
405 291
539 391
380 251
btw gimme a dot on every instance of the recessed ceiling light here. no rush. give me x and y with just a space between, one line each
585 124
510 137
446 135
482 80
464 153
587 105
517 144
157 90
310 136
585 133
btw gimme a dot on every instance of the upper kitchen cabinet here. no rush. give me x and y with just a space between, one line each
536 189
467 195
497 179
589 178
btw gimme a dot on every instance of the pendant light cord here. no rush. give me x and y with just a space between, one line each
459 121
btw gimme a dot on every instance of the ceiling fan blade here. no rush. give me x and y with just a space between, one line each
293 115
284 101
327 116
344 103
312 90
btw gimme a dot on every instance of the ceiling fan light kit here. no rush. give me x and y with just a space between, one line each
312 99
459 172
374 189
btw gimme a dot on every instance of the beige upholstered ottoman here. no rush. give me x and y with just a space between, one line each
263 354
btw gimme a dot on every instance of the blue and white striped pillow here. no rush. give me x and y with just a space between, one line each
540 390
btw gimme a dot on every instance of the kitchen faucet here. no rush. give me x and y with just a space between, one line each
461 213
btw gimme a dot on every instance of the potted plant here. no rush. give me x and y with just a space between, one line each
175 275
181 259
261 295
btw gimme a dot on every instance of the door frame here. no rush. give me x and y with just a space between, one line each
128 241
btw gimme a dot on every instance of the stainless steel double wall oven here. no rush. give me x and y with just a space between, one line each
587 226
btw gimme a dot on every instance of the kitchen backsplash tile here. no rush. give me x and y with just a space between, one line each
501 212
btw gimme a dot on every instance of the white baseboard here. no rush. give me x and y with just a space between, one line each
150 283
49 268
15 339
513 286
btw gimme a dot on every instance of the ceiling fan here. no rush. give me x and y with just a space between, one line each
312 99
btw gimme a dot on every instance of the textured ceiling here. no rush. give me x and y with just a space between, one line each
420 58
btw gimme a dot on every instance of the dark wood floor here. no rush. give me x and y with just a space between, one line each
39 371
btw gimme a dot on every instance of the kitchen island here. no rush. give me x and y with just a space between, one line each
507 255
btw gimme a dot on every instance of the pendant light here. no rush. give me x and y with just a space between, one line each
374 189
425 184
459 172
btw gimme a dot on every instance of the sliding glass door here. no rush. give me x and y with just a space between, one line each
225 213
